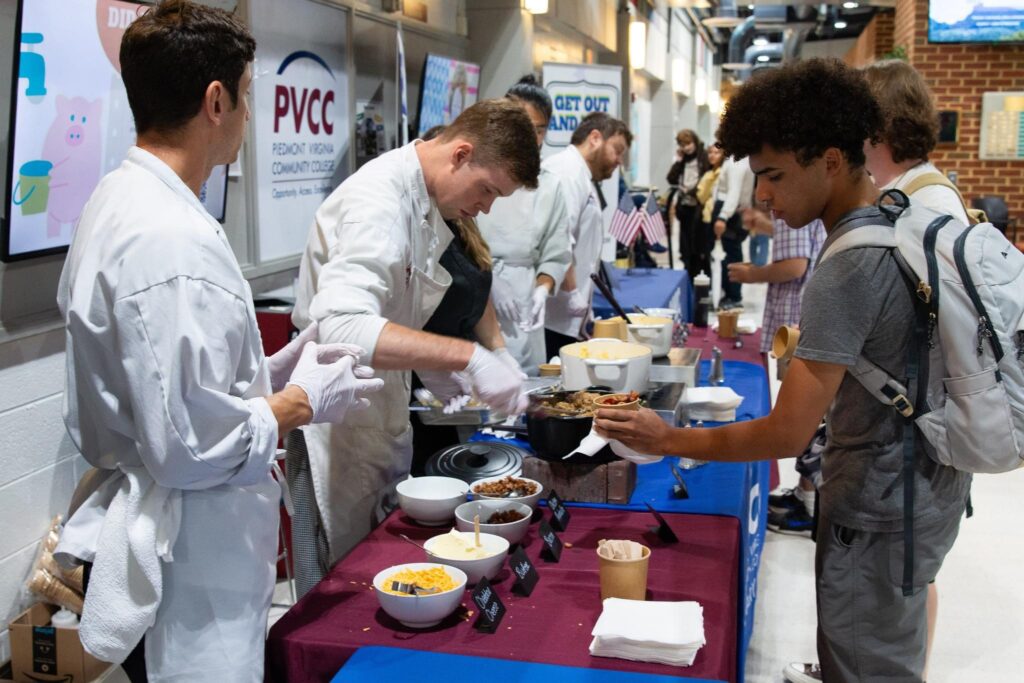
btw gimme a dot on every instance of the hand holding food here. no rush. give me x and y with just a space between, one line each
643 430
741 272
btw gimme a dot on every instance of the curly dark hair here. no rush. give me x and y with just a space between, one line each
803 107
911 126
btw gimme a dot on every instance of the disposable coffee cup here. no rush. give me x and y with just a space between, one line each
626 579
784 342
550 369
599 402
612 328
727 323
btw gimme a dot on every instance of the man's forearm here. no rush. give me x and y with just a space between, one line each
403 348
291 408
780 271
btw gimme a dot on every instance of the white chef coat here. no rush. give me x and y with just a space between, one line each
373 256
584 224
166 378
735 187
525 243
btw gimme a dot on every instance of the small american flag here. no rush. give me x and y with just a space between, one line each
653 224
627 221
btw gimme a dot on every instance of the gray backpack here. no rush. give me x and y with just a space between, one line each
965 364
969 285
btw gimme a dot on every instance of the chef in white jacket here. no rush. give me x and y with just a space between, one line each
371 276
596 149
530 251
168 393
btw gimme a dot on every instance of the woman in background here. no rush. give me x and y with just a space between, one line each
691 164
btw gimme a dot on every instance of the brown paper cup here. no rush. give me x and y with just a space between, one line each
612 328
784 342
550 369
626 579
727 322
632 405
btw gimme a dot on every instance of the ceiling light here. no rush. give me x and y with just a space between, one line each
714 102
536 6
763 58
700 91
637 44
839 25
680 76
750 7
760 40
850 5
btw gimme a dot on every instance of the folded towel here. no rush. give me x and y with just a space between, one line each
127 528
649 631
712 404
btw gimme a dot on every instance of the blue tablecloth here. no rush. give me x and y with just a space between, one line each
647 288
380 664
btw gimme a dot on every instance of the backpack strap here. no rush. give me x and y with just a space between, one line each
882 386
935 178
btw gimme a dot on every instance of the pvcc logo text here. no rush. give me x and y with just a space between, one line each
304 105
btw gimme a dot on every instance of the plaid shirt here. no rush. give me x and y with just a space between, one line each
782 305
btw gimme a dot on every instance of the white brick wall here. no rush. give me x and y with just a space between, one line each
38 463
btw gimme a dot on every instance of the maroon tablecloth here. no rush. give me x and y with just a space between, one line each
552 626
705 338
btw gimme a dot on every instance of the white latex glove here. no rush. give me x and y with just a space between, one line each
282 363
332 388
495 383
577 305
538 305
508 359
504 300
452 389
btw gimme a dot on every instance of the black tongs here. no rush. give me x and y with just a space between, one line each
607 291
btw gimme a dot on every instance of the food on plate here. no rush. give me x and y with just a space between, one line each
618 399
506 487
505 517
456 545
432 578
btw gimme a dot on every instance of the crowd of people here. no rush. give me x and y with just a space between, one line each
465 258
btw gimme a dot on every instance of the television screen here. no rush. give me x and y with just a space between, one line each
448 87
976 21
214 193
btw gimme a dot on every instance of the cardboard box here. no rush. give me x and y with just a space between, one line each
40 652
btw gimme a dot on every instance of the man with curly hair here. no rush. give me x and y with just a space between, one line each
803 126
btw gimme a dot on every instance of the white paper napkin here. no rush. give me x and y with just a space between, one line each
592 443
715 404
649 631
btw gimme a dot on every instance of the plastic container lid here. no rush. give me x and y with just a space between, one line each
64 618
701 279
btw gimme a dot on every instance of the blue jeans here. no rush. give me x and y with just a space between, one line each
760 245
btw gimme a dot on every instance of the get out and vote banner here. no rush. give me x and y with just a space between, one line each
300 118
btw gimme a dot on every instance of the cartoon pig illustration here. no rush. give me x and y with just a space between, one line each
74 146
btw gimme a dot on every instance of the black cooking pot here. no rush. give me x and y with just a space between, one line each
554 436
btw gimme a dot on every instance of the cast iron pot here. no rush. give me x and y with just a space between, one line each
552 437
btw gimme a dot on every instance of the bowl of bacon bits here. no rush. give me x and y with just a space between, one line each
629 401
519 489
506 518
420 594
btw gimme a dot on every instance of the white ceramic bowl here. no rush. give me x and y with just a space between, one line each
496 547
513 532
530 500
431 501
420 611
672 313
622 366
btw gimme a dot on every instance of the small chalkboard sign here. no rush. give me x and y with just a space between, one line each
552 551
663 530
492 609
524 571
559 513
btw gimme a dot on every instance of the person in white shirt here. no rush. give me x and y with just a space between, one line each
530 250
733 193
596 148
168 393
371 276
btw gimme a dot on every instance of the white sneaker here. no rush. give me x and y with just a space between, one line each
800 672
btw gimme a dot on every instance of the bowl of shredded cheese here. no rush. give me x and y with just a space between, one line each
434 591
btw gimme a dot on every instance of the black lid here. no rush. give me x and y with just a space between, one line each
471 462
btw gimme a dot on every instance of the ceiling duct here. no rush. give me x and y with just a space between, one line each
757 53
741 38
793 43
770 16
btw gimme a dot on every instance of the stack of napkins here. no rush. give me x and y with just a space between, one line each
646 631
711 404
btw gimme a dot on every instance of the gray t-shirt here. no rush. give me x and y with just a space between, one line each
857 303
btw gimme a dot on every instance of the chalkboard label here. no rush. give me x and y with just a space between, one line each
552 551
559 513
524 571
490 605
663 530
44 650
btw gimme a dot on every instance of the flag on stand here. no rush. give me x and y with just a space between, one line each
653 224
627 220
